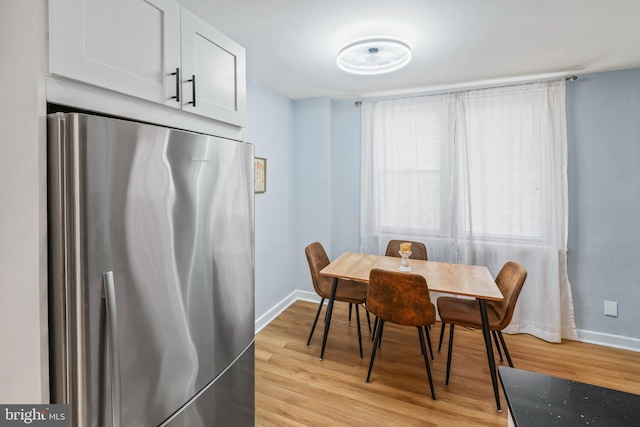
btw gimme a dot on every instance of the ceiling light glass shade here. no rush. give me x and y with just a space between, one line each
374 56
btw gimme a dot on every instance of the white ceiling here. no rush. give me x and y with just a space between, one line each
292 44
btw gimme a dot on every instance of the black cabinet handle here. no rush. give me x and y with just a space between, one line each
177 74
193 88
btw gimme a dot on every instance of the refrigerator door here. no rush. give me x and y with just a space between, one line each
229 401
170 213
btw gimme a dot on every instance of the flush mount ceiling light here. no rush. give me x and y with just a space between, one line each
374 56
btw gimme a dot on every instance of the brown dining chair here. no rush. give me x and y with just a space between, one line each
466 312
403 299
349 291
418 251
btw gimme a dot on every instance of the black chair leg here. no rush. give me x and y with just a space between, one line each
451 328
506 352
368 319
428 334
315 320
444 326
350 306
495 340
375 342
381 326
426 361
359 332
375 327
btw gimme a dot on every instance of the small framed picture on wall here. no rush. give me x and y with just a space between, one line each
260 174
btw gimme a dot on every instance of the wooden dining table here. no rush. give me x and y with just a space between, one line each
456 279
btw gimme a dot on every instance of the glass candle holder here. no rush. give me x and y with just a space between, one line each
404 262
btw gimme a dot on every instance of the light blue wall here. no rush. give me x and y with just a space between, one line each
312 181
603 129
270 129
345 144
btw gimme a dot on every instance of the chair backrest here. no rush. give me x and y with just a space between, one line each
401 298
510 280
418 249
318 259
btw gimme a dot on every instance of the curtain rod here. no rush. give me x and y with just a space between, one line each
570 78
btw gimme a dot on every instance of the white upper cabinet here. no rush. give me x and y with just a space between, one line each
130 46
218 64
150 49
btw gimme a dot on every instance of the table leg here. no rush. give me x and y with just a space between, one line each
489 345
327 323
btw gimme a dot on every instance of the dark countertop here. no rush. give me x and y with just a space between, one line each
542 400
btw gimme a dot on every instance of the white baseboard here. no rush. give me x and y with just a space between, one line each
266 318
609 340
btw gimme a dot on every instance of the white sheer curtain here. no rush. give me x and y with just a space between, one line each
480 177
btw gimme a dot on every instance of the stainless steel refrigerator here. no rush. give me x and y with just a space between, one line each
151 252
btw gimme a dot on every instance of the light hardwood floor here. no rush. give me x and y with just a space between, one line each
295 388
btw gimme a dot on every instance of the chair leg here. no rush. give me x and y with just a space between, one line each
359 332
444 326
381 331
451 328
368 319
428 334
495 340
375 327
350 306
315 320
426 361
375 346
506 352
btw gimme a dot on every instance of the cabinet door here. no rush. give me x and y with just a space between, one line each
129 46
218 64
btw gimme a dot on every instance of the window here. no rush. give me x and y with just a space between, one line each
415 174
480 177
503 175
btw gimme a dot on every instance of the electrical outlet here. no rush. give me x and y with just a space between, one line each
611 308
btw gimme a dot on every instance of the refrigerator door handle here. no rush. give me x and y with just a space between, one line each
114 354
